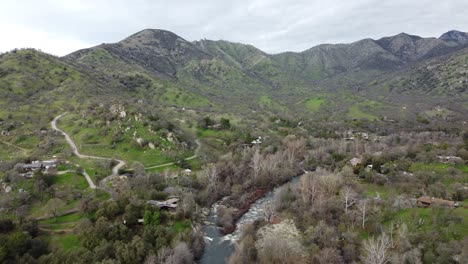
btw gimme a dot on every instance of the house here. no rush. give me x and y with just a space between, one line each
257 141
31 167
28 174
170 204
35 165
187 172
363 135
426 201
449 159
355 162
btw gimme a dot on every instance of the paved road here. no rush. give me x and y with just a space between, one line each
115 169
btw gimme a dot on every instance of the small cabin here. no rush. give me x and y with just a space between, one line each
355 162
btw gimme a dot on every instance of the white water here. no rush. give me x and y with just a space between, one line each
218 246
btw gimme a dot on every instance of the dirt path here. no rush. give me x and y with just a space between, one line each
15 146
187 159
115 169
58 231
66 212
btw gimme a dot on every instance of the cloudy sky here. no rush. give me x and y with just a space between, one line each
62 26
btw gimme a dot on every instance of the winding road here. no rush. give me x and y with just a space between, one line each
115 169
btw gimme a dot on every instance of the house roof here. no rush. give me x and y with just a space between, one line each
170 203
432 200
425 199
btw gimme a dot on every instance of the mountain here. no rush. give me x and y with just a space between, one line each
222 76
456 36
410 48
164 53
157 51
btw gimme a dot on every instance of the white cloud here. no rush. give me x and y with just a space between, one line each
62 26
19 37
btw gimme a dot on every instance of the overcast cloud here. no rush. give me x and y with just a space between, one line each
62 26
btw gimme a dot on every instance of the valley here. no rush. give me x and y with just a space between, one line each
156 149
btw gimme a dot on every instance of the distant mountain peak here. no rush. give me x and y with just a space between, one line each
152 32
455 35
153 37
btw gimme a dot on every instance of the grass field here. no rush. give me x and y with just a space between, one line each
62 219
71 179
356 112
376 190
97 141
313 104
265 101
67 241
181 226
363 110
432 167
412 217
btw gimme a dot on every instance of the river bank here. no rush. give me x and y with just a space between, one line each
220 245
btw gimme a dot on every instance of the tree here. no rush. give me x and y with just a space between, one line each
348 196
53 206
211 176
151 218
225 123
329 256
6 225
256 162
206 122
133 252
376 250
181 255
147 217
245 251
188 203
362 207
156 219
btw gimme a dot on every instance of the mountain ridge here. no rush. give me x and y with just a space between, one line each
164 53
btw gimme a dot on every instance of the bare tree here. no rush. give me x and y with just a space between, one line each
268 212
181 255
309 189
376 250
166 175
210 175
188 203
256 162
348 196
362 207
270 163
244 252
294 148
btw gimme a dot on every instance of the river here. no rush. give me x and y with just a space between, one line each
219 246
